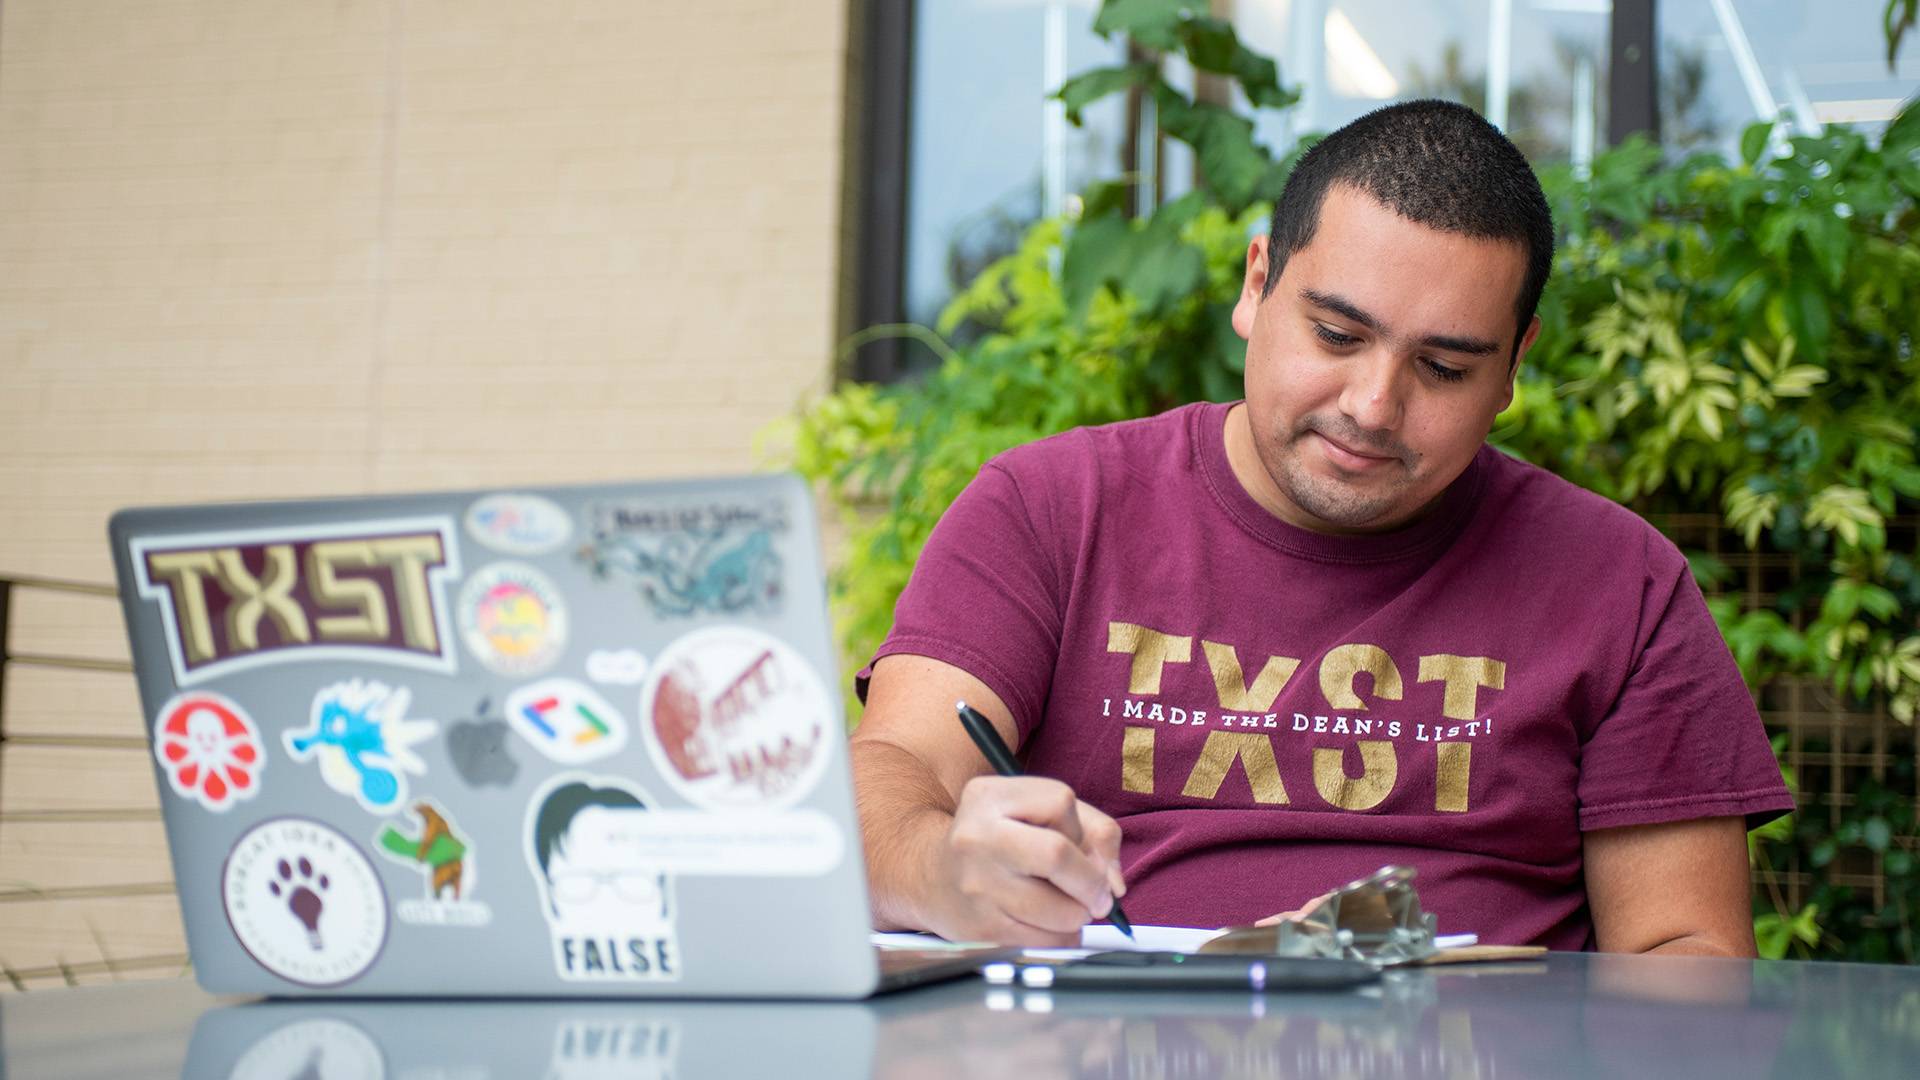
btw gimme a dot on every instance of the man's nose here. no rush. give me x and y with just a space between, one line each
1374 395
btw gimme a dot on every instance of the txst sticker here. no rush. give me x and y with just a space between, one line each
689 558
513 619
445 860
519 524
611 918
360 733
209 749
304 902
566 721
734 718
367 591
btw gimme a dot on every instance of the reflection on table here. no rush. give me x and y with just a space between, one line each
1569 1015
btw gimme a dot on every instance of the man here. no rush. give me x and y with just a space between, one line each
1252 652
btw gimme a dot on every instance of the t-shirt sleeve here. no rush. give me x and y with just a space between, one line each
985 597
1682 739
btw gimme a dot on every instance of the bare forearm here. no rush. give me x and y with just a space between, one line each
904 812
1703 945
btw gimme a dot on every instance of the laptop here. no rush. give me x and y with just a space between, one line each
541 741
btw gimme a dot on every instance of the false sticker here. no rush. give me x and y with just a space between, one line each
610 918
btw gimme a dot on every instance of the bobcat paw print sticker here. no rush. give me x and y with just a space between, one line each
304 902
209 749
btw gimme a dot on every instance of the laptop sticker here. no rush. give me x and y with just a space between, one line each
735 719
359 733
519 524
512 619
444 856
616 667
304 902
734 843
371 591
325 1048
567 721
610 918
210 749
478 749
690 558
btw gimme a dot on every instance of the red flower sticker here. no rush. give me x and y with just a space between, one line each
209 749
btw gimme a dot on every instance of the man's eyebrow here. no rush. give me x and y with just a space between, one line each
1345 308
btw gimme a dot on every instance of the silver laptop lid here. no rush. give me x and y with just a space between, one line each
581 740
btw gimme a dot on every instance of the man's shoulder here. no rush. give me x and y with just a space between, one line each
1113 450
1571 521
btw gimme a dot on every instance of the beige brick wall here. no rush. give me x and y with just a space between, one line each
286 248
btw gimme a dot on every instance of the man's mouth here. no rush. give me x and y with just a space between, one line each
1346 457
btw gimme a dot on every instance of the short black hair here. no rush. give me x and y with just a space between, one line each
556 814
1437 163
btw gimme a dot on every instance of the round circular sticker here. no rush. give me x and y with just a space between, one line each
519 524
304 902
319 1049
513 619
734 718
209 749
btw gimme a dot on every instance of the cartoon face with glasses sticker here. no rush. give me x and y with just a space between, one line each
611 917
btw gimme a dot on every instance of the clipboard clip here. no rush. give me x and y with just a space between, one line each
1376 920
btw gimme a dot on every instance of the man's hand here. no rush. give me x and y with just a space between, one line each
1025 863
953 850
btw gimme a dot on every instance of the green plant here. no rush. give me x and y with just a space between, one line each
1719 337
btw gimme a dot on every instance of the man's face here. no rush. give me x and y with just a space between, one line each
593 879
1376 366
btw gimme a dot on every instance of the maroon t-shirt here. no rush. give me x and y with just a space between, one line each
1270 712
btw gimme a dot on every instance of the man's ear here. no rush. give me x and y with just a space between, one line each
1251 287
1519 354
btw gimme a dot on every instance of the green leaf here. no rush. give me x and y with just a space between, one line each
1232 165
1902 136
1096 255
1211 45
1150 22
1754 140
1808 315
1826 235
1877 833
1085 89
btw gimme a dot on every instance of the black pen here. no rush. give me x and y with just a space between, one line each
994 749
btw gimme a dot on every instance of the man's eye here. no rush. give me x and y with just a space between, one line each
1333 337
1443 372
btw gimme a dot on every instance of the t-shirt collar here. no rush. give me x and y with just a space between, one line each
1435 529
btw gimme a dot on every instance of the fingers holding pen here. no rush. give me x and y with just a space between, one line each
1028 830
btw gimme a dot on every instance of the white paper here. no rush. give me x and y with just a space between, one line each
1099 938
1105 937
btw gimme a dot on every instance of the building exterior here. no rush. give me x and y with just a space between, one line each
281 249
